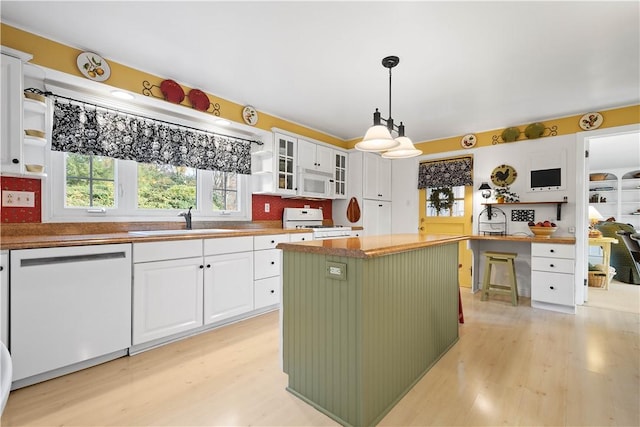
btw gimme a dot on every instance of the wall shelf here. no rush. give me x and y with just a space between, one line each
558 206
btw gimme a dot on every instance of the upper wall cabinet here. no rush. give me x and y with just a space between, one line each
292 166
314 156
24 122
376 177
285 167
339 174
273 166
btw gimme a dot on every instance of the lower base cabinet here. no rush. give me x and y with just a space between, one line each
167 298
552 274
267 291
228 286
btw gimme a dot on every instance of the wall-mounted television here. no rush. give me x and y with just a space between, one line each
546 172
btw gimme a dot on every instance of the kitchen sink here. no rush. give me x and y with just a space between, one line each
179 232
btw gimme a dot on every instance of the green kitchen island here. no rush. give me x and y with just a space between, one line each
364 318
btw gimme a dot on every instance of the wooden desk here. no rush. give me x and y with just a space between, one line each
605 244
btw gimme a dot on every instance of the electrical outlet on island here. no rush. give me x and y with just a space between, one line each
267 207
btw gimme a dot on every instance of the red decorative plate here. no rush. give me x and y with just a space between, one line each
172 91
199 100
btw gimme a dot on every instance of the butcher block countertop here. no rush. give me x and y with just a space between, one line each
49 235
371 246
374 246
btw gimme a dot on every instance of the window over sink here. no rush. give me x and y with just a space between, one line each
85 187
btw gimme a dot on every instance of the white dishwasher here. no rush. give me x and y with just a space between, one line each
68 305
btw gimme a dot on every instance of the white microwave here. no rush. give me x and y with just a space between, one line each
312 183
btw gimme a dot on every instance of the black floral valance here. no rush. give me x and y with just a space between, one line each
445 173
89 129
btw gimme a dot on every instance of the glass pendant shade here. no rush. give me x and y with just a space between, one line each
377 138
404 150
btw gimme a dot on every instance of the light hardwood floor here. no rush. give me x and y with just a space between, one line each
511 366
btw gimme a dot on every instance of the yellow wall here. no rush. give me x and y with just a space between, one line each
565 125
63 58
51 54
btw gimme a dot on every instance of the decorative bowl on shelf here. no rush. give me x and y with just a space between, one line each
34 96
542 231
598 176
35 168
34 132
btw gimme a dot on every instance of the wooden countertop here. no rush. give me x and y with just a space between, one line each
51 241
374 246
370 246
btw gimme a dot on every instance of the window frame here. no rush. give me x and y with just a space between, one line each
126 185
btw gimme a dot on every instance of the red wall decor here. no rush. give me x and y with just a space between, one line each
277 205
15 214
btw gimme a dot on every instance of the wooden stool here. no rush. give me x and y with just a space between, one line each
488 287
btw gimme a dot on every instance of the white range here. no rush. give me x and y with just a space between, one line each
312 218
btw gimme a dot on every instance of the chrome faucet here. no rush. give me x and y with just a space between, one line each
187 217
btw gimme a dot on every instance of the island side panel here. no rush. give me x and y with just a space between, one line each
320 340
410 319
353 348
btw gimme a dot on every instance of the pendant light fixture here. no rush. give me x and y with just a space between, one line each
378 137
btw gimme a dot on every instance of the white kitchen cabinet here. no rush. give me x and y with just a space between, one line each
314 156
167 298
4 298
268 269
228 278
376 177
552 276
285 164
300 237
369 182
376 217
19 114
11 113
69 306
339 174
167 292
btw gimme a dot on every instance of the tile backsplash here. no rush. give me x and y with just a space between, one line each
22 214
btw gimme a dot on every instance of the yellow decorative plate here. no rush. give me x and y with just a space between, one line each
503 175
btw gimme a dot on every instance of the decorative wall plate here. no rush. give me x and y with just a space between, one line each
93 66
534 130
468 141
503 175
591 121
250 115
199 100
172 91
510 134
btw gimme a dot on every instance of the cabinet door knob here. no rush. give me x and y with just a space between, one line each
302 238
551 287
208 265
272 291
273 262
551 265
15 161
273 241
202 266
1 268
552 250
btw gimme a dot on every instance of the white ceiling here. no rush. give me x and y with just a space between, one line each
464 66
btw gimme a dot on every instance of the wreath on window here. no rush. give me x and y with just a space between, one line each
441 198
